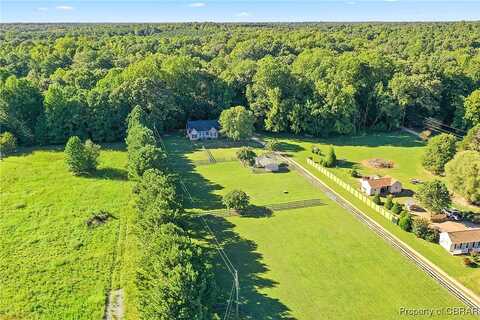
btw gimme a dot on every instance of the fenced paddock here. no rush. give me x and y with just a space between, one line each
321 254
309 203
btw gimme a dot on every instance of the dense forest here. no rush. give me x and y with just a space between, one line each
59 80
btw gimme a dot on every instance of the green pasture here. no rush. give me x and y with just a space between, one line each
52 266
299 149
308 263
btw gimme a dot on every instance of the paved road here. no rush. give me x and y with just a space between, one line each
454 287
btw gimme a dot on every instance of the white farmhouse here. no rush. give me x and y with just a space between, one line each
460 242
372 186
202 129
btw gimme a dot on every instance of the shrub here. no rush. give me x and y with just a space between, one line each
420 227
434 196
440 150
405 221
246 156
376 199
273 145
81 158
467 262
472 140
354 173
475 256
8 143
432 235
92 152
330 159
388 202
236 199
397 208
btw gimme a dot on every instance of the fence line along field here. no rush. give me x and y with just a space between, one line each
405 150
302 263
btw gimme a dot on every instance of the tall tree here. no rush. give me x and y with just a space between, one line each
463 175
472 108
237 123
440 150
434 196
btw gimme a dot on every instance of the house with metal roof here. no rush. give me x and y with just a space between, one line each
202 129
376 185
461 242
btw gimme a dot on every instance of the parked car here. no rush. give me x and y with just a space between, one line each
452 214
416 181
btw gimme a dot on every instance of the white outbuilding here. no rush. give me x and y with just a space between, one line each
375 185
267 163
461 242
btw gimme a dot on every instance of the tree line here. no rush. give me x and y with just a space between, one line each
174 275
58 80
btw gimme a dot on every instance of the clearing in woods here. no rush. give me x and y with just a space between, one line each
307 263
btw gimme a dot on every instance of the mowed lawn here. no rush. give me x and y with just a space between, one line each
403 149
52 266
407 155
309 263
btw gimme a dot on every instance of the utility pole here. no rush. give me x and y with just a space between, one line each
237 289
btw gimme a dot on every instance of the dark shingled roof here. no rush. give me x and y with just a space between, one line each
203 125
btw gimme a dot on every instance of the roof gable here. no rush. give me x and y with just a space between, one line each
381 182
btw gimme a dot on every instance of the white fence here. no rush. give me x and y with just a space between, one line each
353 191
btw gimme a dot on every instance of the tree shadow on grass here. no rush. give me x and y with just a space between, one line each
405 193
371 139
347 164
109 173
198 187
289 147
254 211
244 257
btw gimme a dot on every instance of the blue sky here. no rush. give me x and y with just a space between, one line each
237 10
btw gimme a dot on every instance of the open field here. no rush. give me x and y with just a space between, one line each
305 263
299 149
404 149
52 266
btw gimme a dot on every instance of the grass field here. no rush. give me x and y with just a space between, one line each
299 149
305 263
404 149
52 266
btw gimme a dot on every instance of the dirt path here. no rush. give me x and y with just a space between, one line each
114 310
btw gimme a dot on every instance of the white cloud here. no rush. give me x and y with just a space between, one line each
197 5
244 14
351 2
64 8
42 9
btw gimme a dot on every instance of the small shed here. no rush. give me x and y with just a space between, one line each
375 185
267 163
